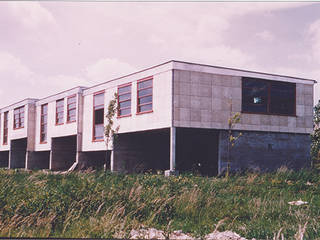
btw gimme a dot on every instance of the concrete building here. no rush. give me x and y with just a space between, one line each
171 116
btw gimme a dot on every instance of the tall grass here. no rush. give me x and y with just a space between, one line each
105 205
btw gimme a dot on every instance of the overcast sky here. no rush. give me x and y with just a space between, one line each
49 47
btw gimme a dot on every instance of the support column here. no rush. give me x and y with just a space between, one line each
172 170
112 161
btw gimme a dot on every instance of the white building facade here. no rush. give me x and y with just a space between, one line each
170 116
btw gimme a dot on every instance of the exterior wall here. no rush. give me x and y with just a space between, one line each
159 118
265 151
53 130
203 100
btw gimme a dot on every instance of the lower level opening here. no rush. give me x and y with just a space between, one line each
197 151
18 150
63 152
4 159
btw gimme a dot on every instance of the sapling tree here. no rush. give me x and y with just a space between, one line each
234 118
315 137
110 130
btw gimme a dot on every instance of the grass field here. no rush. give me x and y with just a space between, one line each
101 204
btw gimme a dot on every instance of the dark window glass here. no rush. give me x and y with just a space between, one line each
98 116
18 116
270 97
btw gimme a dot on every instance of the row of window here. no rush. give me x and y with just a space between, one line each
258 96
144 104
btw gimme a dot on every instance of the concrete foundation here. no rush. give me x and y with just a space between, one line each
95 160
141 151
38 160
17 155
265 151
4 159
197 151
63 153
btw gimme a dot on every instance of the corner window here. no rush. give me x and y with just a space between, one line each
268 97
59 111
124 100
98 116
144 95
18 118
71 108
43 123
5 128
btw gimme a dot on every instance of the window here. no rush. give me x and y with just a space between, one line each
59 111
144 95
43 123
71 108
98 115
18 116
124 100
5 128
268 97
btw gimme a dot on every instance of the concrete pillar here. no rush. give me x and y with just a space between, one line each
172 170
112 169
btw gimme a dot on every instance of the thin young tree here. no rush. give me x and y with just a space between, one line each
315 137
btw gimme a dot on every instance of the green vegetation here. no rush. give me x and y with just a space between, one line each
315 137
99 204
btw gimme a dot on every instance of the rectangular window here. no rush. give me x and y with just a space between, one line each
43 123
18 118
71 108
144 95
124 100
5 128
59 111
98 116
268 97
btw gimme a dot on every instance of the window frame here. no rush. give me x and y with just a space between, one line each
118 100
43 123
138 105
269 84
59 100
69 109
93 118
20 124
5 127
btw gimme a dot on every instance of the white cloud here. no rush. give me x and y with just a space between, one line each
107 69
30 14
265 35
314 33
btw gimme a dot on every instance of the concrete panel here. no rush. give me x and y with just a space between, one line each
265 151
38 160
4 159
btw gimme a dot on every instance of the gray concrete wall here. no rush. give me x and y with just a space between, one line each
31 126
141 151
17 155
202 100
38 160
265 151
63 152
4 159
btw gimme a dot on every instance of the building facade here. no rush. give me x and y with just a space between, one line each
170 116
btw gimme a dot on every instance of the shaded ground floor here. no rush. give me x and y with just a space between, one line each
202 151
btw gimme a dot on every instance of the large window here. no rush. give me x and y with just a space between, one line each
59 111
43 123
5 128
18 116
98 115
268 97
71 108
144 95
124 100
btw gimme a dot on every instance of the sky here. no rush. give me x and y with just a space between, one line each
48 47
